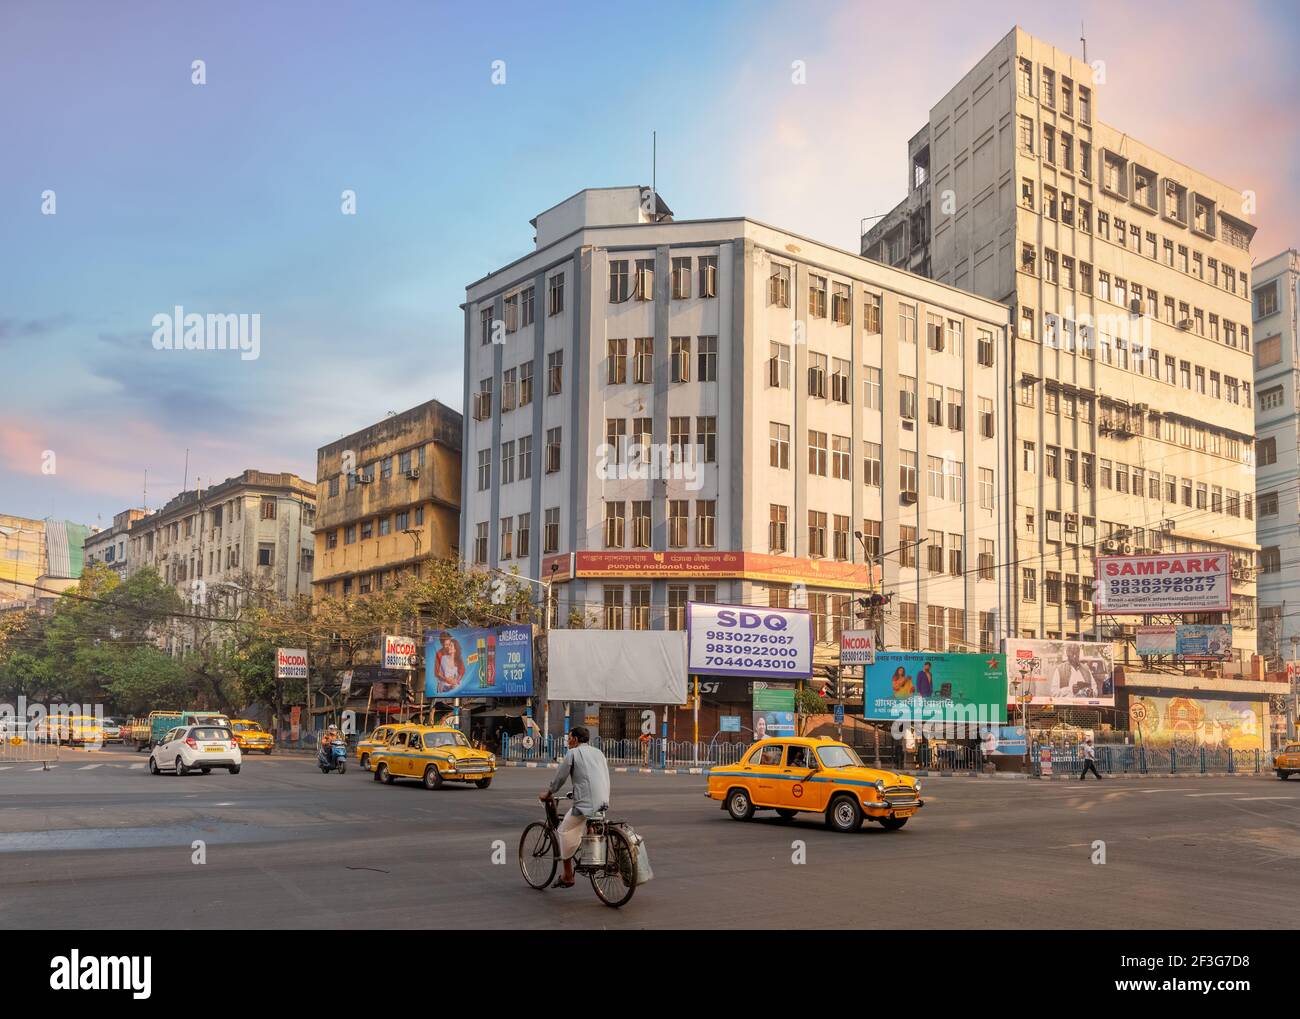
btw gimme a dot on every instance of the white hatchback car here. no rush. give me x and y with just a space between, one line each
199 748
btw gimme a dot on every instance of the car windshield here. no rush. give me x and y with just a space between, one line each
247 727
445 739
1294 748
211 735
839 757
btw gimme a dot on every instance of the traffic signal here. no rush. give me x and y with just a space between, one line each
872 603
832 688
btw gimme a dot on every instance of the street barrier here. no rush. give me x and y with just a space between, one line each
1117 759
650 752
28 744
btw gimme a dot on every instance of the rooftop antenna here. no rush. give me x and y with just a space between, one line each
145 504
1083 38
185 483
654 172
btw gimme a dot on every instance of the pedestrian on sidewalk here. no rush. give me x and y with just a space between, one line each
1089 760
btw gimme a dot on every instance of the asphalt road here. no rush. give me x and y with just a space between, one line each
97 842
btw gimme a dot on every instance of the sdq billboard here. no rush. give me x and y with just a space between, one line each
747 640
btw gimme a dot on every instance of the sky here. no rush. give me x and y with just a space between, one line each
226 197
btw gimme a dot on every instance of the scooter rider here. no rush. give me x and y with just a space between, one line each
327 739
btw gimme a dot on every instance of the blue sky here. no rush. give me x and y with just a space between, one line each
225 197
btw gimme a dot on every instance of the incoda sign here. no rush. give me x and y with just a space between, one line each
290 663
1179 582
399 652
743 640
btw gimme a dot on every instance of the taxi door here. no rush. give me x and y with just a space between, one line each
764 787
797 791
399 763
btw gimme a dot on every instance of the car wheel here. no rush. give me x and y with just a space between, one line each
234 769
206 771
382 774
365 762
893 823
267 751
785 814
180 767
153 766
739 805
1283 775
432 777
483 783
844 814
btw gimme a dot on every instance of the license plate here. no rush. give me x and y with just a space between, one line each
908 812
213 750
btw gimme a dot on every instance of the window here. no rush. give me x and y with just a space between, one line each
956 554
779 445
907 632
871 388
619 281
986 488
1028 457
511 304
526 383
907 471
907 323
507 537
706 512
708 268
840 466
839 380
1266 451
1025 77
640 607
615 524
681 278
956 410
840 313
816 296
1028 584
871 465
485 326
507 462
816 534
776 528
527 307
907 397
840 538
645 279
934 552
680 355
552 450
555 294
525 457
817 375
871 315
613 606
778 366
616 361
708 358
778 286
1266 300
678 522
986 559
934 404
643 361
481 543
984 348
1271 398
1025 135
1268 352
641 523
907 545
817 450
678 596
484 473
934 476
679 436
551 530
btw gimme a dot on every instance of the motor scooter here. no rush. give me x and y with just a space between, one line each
333 756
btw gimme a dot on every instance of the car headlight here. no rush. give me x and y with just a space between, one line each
917 787
880 786
492 760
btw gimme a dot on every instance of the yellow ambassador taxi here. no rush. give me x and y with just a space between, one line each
377 740
1287 761
250 736
804 774
434 754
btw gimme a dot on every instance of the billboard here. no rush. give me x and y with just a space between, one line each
1061 671
744 640
1004 741
399 652
857 647
1178 582
474 662
1186 722
290 663
961 688
617 666
1192 642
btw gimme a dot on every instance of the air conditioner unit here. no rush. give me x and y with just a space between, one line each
413 473
364 479
1185 324
909 496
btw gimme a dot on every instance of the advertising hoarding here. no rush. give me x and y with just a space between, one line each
1199 721
290 663
857 647
960 688
1172 583
399 652
1192 642
474 662
743 640
1061 671
617 666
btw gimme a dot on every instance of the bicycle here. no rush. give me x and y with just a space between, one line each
610 857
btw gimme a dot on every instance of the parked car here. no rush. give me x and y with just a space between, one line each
434 754
199 748
802 774
251 736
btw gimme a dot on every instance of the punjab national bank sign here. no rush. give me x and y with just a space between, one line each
1179 582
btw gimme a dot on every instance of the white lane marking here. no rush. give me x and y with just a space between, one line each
1256 799
1194 795
1162 790
6 767
88 767
134 767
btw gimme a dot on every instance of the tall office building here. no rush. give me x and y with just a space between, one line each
662 411
1127 278
1277 456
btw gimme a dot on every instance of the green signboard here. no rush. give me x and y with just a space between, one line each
774 699
922 687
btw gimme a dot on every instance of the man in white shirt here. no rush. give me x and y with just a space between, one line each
1089 760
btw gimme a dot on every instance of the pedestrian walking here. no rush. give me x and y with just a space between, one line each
1089 761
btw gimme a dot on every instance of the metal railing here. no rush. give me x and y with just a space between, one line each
654 752
28 744
1119 759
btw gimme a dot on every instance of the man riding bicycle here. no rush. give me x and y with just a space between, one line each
586 767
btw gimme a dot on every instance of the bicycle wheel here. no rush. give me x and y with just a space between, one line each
539 855
616 881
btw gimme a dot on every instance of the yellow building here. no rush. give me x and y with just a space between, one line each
22 557
387 496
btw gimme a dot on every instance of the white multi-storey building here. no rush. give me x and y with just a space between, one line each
1277 459
662 411
1126 274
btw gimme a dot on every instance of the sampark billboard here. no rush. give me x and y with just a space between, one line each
744 640
1173 583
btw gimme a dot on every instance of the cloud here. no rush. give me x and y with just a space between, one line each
13 330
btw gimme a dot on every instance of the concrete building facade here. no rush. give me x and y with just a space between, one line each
663 411
111 547
1127 276
1277 459
388 496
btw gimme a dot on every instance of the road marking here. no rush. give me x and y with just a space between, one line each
1255 799
88 767
6 767
1161 790
1194 795
133 767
